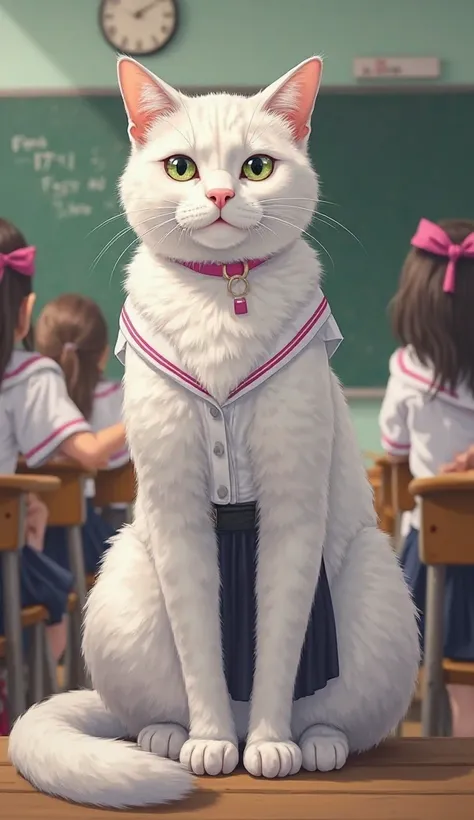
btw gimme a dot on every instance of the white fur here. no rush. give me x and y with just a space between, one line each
152 631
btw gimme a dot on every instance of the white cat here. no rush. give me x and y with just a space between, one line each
232 408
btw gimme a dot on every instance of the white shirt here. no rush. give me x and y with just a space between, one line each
107 411
429 429
226 425
36 413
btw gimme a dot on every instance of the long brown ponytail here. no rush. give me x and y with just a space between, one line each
72 330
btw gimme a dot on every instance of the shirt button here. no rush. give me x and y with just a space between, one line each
219 448
222 492
214 412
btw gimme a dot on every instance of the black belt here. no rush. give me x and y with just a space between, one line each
231 517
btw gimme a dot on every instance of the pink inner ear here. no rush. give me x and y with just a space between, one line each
294 100
145 99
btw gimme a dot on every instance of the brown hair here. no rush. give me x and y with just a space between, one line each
72 330
14 289
438 325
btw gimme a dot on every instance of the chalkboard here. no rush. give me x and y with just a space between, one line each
384 160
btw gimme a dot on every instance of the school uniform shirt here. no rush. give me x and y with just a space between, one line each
429 429
226 425
36 413
107 411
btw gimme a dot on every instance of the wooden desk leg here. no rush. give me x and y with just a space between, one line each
78 673
13 633
433 660
36 692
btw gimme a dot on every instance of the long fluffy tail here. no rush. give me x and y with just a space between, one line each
67 746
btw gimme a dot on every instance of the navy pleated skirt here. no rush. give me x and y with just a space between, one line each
237 538
458 603
42 582
95 534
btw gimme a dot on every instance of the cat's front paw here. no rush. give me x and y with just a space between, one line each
324 748
272 759
209 756
163 739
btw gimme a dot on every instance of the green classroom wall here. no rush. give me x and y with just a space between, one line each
249 42
242 42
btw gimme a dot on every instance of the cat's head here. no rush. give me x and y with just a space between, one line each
219 177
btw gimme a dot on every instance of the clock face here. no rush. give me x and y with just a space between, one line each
138 27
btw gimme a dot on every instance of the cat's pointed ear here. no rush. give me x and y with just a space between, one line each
146 98
293 96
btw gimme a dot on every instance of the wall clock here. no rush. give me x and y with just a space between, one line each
138 27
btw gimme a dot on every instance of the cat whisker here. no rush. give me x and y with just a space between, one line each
137 239
262 225
319 214
257 106
120 215
190 121
300 199
300 230
114 239
108 245
167 235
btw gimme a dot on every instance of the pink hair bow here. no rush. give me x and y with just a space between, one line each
22 261
430 237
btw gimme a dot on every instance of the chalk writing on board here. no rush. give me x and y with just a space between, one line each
96 184
97 161
68 209
46 160
60 187
19 142
74 183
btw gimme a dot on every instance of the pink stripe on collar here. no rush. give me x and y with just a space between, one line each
215 269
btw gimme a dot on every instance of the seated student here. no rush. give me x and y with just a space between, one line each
428 411
39 420
72 330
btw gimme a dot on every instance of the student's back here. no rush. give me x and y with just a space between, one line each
429 428
427 414
72 330
36 413
38 420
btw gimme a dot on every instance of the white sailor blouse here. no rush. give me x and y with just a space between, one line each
36 413
107 411
429 429
226 424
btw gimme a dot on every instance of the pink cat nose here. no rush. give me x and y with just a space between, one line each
220 196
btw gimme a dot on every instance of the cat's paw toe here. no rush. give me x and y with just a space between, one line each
272 759
163 739
324 748
209 756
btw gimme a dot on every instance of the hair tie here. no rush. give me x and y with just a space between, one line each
430 237
22 261
69 346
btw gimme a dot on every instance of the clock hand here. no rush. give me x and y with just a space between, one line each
140 12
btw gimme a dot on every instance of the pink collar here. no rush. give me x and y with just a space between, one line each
214 269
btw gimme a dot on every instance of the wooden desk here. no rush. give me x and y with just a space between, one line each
409 779
67 508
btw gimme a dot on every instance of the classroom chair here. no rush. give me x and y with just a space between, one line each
13 490
385 504
115 487
446 537
396 498
67 508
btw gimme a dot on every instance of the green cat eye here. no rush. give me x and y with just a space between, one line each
180 168
258 167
